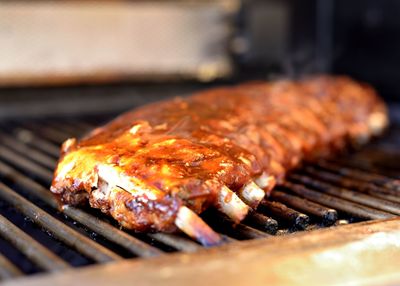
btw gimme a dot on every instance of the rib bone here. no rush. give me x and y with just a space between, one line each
251 194
377 122
191 224
266 182
231 205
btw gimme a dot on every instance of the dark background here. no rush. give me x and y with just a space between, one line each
360 38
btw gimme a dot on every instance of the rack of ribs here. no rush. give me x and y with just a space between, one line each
158 167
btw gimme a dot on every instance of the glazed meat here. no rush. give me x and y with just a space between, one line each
157 167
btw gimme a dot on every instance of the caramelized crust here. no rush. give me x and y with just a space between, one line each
146 164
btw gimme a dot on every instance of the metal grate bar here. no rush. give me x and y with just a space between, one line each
298 219
113 234
348 183
366 165
31 248
54 135
384 157
248 232
82 126
346 194
372 191
364 161
262 222
176 241
37 156
227 239
28 137
339 204
16 159
65 234
329 216
7 269
367 177
240 230
70 131
395 199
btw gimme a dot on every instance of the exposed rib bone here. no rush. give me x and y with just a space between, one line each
251 194
377 122
231 205
266 182
191 224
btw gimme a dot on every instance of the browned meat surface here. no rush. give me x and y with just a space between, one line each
156 167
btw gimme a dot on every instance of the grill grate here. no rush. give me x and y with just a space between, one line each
354 188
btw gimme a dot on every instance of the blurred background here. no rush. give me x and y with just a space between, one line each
84 57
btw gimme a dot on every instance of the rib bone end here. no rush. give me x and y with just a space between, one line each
377 122
251 194
231 205
266 182
191 224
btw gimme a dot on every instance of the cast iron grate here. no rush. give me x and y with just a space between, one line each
35 237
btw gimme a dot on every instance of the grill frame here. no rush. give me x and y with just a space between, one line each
22 139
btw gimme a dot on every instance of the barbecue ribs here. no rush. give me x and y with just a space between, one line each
156 167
